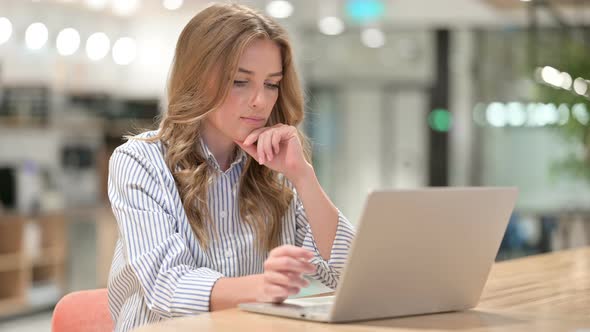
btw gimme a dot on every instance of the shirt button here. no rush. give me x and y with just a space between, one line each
228 253
223 214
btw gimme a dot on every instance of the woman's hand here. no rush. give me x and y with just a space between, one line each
283 271
279 148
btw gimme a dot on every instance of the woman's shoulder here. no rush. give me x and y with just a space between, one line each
143 147
142 141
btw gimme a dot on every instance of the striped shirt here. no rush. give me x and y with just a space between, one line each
159 270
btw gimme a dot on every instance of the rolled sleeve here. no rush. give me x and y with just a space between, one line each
328 272
193 292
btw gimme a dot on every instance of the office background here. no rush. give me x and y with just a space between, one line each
400 94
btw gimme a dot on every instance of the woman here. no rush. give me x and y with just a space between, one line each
221 205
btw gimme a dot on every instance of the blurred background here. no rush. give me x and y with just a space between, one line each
400 94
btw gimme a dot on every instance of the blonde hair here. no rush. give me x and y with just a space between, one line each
204 66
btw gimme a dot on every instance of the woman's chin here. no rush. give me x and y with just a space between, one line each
242 134
241 137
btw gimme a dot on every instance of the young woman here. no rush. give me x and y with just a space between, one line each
221 205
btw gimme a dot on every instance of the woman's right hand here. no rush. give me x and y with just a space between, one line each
283 273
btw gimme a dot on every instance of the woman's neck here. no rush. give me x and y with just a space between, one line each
221 146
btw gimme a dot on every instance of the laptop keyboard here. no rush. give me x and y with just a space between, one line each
319 308
316 304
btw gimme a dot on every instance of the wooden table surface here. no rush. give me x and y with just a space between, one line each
549 292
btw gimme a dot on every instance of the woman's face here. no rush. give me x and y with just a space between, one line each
254 91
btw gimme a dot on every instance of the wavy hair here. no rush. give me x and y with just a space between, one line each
214 39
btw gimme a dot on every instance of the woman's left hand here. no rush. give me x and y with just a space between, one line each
278 148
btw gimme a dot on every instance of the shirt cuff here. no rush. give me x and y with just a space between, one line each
193 292
329 271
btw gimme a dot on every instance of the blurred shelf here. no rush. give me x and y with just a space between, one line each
51 256
12 306
32 262
11 262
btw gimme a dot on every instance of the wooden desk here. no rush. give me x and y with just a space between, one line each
539 293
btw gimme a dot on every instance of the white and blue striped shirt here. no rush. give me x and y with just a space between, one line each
159 270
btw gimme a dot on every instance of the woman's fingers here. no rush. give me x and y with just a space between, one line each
280 293
268 144
268 141
253 136
285 279
283 270
288 264
260 149
250 149
292 251
277 294
263 137
276 140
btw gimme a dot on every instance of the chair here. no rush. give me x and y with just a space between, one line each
85 310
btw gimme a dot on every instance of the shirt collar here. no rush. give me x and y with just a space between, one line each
239 157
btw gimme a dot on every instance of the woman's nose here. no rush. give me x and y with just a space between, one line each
258 99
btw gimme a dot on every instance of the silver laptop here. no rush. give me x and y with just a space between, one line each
415 252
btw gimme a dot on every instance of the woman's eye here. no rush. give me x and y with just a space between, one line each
272 86
240 83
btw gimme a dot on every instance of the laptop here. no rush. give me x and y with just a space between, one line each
415 252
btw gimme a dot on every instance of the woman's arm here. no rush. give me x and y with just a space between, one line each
321 213
281 278
154 259
320 226
279 148
229 292
157 258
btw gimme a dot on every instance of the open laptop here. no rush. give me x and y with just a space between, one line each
415 252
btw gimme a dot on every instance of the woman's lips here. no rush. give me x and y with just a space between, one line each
253 120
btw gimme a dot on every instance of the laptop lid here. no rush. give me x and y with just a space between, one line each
422 251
